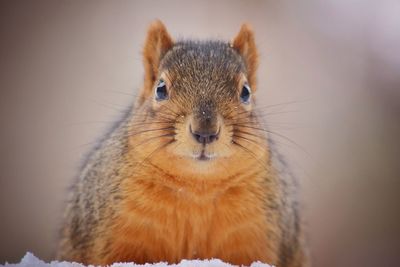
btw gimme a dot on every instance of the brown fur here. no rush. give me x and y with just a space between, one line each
245 44
158 42
144 196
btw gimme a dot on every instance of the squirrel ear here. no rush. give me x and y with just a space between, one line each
244 43
158 42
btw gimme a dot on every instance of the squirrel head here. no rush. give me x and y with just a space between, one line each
198 98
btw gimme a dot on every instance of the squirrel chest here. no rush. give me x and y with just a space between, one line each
161 220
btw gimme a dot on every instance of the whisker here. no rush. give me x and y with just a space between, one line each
151 130
271 124
262 164
152 122
172 111
261 115
152 138
109 106
156 150
124 93
249 140
248 133
158 114
88 122
282 136
258 108
108 122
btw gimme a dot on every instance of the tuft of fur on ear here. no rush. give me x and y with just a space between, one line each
158 42
244 43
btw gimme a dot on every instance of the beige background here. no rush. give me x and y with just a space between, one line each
68 68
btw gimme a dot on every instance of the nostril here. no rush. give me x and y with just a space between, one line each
204 137
198 137
213 137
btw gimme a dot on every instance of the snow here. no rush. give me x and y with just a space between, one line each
29 260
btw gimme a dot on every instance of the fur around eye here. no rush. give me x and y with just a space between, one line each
161 91
245 94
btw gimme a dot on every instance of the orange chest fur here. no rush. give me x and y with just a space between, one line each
158 223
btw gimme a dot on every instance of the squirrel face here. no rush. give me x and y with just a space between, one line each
201 92
204 82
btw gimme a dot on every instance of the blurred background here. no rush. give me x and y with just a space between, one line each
69 68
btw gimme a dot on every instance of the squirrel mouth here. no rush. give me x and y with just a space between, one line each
203 156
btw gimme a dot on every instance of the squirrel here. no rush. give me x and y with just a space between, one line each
188 172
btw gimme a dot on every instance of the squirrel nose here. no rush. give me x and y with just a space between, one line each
206 137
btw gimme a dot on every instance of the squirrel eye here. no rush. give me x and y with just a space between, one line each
245 94
161 91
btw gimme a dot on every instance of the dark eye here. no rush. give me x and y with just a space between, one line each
161 91
245 94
